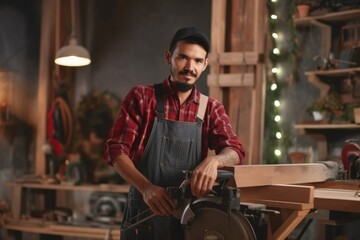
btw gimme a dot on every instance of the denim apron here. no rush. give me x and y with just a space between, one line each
172 148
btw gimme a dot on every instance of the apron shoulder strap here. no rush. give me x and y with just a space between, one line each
159 95
202 107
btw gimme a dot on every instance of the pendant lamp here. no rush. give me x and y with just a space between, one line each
72 55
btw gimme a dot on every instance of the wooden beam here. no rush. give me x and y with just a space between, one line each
47 26
289 223
270 174
218 23
231 80
234 58
337 200
295 197
293 202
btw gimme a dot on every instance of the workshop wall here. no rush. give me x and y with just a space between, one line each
19 59
127 41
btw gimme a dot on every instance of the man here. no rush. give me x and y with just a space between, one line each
164 129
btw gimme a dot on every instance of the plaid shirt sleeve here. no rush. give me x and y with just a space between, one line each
220 134
129 129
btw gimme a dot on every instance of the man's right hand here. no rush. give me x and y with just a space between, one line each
158 199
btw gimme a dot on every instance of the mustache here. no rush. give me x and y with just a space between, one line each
186 72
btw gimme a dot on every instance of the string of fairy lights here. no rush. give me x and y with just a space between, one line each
276 139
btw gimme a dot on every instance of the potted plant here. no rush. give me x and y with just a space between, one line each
326 108
352 112
303 8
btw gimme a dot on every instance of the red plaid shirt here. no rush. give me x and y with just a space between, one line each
133 125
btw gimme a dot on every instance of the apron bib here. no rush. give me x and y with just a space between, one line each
172 148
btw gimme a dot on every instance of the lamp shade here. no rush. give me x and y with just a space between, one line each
72 55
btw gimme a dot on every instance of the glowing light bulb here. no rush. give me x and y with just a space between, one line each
274 70
277 152
278 135
277 103
273 86
276 51
275 35
273 16
277 118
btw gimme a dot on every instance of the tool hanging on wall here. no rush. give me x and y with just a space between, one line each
59 124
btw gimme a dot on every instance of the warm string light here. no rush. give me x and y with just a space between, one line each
281 55
275 131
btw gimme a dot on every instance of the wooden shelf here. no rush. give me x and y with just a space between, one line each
334 72
319 132
123 188
327 126
316 77
63 230
332 17
336 199
83 230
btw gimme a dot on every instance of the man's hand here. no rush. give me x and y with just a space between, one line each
158 199
204 176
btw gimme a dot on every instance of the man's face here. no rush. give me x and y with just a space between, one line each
187 62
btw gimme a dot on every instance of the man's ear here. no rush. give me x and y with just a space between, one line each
206 63
167 57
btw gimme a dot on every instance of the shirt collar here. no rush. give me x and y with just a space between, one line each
170 90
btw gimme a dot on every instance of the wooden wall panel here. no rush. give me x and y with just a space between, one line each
218 23
240 78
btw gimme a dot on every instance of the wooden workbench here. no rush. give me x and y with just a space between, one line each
295 190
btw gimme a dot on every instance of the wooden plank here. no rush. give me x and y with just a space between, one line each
337 16
337 200
293 201
120 188
16 205
327 126
63 230
339 184
218 29
270 174
293 193
341 72
234 58
258 97
231 80
289 224
47 26
246 104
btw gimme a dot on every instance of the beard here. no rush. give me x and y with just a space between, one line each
184 86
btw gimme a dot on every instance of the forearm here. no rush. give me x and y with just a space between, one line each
127 170
227 157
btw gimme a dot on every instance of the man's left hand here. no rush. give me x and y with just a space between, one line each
204 176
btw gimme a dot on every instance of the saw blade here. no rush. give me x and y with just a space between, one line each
215 224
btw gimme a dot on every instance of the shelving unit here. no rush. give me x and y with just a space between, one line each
322 79
332 17
93 231
314 77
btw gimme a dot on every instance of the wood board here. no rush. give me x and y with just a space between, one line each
270 174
